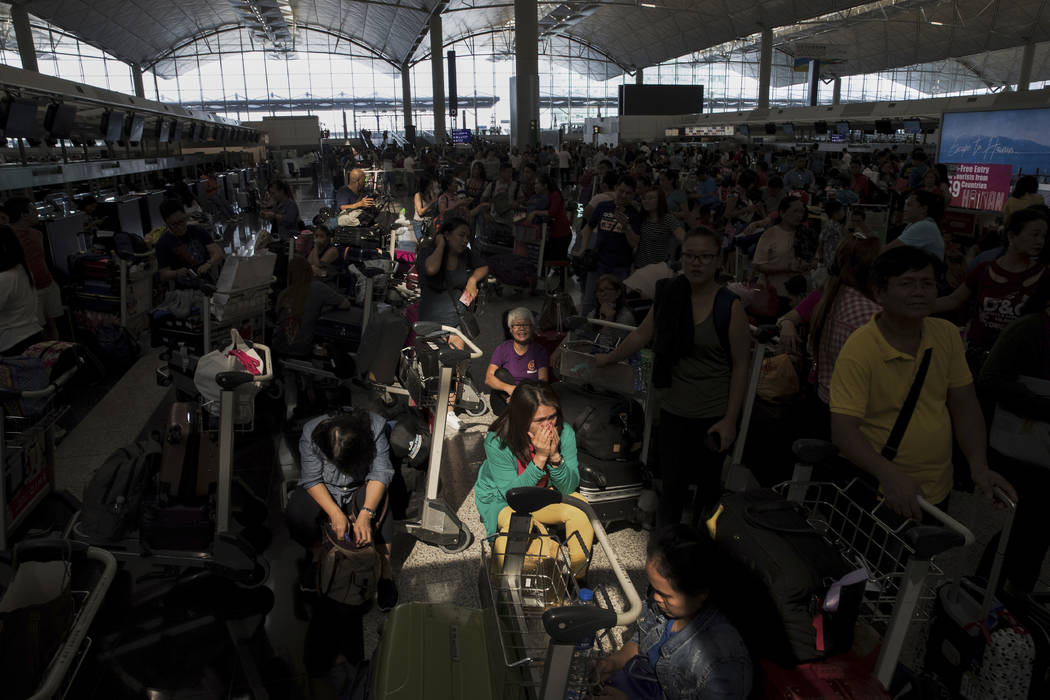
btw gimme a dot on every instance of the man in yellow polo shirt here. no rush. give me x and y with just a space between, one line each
874 373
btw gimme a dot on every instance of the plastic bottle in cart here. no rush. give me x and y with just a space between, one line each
586 598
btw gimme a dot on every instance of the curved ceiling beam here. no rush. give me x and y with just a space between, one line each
499 30
203 36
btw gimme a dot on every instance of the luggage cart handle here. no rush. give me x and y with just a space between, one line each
47 390
569 624
425 328
948 521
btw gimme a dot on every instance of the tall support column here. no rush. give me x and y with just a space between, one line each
136 80
526 126
406 102
1027 57
765 67
814 82
24 36
836 91
639 77
437 70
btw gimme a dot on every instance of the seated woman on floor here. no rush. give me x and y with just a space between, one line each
516 359
529 445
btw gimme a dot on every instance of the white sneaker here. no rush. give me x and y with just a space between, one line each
452 422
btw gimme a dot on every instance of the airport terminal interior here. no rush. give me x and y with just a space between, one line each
479 349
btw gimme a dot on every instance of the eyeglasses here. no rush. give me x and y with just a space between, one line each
705 258
519 326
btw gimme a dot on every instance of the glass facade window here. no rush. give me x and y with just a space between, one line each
229 72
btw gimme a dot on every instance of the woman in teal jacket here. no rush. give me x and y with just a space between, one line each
530 446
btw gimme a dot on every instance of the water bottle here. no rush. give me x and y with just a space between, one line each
586 598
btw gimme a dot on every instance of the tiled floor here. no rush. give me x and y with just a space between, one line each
205 669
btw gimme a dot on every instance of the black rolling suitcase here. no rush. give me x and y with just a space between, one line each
609 443
381 346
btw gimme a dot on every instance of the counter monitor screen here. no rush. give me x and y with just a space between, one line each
789 129
135 127
912 126
19 118
842 128
59 120
112 126
745 130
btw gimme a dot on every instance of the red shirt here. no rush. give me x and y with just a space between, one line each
998 296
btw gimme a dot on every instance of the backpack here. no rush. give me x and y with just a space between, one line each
607 427
347 574
113 498
780 575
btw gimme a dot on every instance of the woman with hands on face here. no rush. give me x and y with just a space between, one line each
703 371
530 445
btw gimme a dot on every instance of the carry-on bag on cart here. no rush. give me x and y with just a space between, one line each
179 514
607 426
802 598
977 647
381 345
113 498
609 440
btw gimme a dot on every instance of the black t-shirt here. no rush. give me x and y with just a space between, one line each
612 245
190 250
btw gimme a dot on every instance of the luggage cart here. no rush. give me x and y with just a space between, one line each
91 572
438 525
898 559
27 451
228 554
523 642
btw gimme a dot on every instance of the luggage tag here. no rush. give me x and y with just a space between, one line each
831 601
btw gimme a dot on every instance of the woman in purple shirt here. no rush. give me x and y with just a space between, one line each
516 359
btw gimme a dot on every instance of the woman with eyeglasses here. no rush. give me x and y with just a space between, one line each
530 445
703 374
515 360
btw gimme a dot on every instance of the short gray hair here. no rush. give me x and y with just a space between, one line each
520 313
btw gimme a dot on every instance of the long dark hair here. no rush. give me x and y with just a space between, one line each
1027 184
346 441
853 258
513 426
686 557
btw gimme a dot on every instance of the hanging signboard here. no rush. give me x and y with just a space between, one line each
981 186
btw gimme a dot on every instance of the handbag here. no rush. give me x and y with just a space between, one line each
778 379
1024 439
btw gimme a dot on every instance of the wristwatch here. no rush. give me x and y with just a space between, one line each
370 511
552 463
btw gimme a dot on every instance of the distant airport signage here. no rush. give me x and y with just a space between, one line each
672 132
981 186
710 130
461 136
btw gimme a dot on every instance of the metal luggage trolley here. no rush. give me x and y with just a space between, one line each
535 602
27 453
899 559
529 243
524 643
91 572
